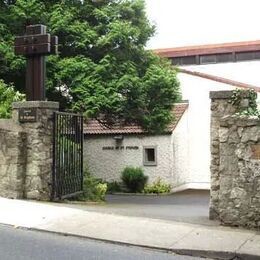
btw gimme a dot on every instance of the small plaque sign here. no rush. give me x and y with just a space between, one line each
256 151
27 115
111 148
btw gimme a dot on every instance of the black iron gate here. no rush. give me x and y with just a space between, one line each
67 177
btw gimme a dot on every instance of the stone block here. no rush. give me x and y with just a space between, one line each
251 134
224 133
227 149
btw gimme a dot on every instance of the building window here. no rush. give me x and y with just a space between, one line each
150 156
188 60
245 56
225 57
208 59
176 61
216 58
253 55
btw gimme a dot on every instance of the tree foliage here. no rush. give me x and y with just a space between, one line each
7 96
103 68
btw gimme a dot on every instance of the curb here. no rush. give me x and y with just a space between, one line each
141 194
188 252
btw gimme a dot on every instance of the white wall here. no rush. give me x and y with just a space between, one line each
180 144
245 72
196 90
107 164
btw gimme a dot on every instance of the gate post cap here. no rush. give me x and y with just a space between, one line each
36 104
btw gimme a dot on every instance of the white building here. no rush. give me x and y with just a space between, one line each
203 69
108 151
182 155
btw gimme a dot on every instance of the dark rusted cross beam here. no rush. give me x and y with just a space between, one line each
35 45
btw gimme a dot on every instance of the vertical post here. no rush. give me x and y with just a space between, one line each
220 107
35 45
81 144
39 147
35 79
54 158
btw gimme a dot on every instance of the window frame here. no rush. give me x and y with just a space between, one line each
150 163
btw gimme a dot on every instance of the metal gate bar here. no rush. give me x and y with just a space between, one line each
67 177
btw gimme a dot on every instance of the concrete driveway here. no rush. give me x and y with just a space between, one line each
190 206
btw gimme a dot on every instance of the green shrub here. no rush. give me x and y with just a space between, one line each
134 179
113 186
7 96
93 188
100 191
158 187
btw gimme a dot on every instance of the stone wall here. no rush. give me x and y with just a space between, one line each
26 152
39 148
235 164
12 159
219 108
239 191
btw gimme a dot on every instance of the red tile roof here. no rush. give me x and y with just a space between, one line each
219 79
209 49
93 127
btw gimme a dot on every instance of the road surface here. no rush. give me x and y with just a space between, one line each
20 244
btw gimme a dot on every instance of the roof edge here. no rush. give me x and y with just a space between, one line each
208 49
219 79
180 108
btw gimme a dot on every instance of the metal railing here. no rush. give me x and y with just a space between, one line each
67 177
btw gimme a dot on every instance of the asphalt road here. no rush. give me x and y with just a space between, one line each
189 206
18 244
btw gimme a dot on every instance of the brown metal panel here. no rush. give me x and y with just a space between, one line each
35 49
35 29
42 77
54 45
38 80
35 45
20 50
54 49
29 80
54 40
32 39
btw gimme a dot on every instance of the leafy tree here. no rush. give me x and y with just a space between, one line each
103 68
7 96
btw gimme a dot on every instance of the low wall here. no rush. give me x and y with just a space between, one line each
235 164
26 152
12 159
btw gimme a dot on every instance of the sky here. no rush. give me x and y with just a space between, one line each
193 22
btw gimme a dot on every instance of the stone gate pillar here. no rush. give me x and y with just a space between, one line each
220 107
36 120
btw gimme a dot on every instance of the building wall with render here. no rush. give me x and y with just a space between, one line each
172 150
108 163
196 90
181 164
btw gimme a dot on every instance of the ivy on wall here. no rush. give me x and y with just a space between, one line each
251 108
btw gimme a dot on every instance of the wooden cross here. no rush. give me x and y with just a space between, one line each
35 45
